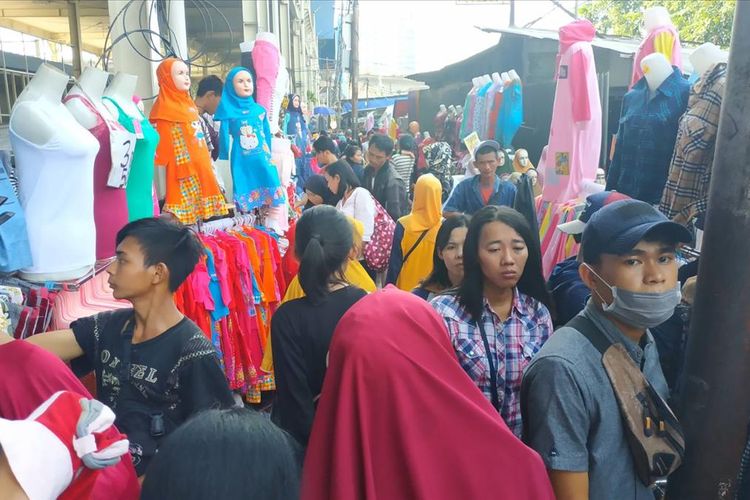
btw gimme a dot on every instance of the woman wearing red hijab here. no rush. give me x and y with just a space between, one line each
398 417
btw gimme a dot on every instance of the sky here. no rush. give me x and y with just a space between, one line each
399 37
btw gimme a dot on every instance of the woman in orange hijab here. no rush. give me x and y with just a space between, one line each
398 419
415 234
193 194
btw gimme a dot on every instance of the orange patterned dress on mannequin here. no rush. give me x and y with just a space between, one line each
193 194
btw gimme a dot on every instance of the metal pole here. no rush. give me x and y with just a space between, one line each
715 403
355 62
512 20
74 22
604 93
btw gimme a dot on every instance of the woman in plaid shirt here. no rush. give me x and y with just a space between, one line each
501 307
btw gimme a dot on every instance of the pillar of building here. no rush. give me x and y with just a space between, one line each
128 57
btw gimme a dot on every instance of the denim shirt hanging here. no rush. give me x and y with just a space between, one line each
646 138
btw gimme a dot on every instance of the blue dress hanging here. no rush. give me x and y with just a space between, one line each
15 252
256 180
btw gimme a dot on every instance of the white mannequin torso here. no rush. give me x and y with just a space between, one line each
54 161
706 56
656 68
30 119
654 17
505 77
121 91
91 87
513 75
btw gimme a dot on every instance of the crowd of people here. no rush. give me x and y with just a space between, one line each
451 384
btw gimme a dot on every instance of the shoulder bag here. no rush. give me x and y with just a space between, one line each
654 435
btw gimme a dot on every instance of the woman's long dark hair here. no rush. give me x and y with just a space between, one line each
346 174
471 291
438 278
192 461
323 241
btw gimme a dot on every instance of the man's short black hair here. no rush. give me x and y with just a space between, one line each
210 83
325 143
382 143
162 241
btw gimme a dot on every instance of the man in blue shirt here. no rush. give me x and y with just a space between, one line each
484 189
571 416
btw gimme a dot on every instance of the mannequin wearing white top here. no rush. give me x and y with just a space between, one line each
46 88
90 86
54 165
705 56
656 68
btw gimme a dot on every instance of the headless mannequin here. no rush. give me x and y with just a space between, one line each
121 90
91 87
37 117
506 78
656 68
705 56
442 109
513 75
459 110
496 77
655 17
451 111
43 91
486 79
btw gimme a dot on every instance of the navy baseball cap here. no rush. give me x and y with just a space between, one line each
593 203
618 227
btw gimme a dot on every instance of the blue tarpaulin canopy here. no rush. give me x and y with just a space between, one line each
370 104
324 111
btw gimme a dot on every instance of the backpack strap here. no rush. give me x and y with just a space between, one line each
587 328
414 246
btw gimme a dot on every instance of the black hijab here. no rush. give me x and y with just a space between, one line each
317 184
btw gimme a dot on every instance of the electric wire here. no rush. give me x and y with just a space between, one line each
161 44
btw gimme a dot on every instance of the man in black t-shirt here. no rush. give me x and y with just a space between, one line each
154 367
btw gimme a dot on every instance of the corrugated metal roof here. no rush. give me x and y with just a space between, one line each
616 44
622 45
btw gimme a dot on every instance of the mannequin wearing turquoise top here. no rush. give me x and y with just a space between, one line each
139 189
256 180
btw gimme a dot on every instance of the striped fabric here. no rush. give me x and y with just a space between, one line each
403 165
686 193
556 245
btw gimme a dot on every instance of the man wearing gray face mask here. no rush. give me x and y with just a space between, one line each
570 412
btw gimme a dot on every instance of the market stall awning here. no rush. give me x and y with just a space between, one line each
374 103
323 111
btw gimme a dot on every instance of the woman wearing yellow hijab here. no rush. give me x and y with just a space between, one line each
414 238
354 274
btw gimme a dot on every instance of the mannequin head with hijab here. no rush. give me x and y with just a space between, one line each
181 76
243 84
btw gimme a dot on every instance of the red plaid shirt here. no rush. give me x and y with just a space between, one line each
513 343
